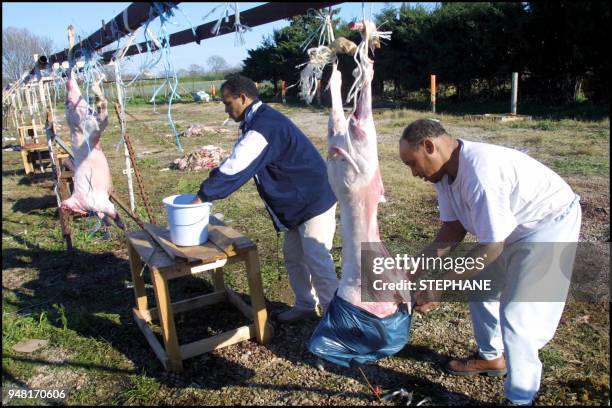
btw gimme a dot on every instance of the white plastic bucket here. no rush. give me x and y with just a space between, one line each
188 223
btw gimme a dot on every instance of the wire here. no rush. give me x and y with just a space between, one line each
375 391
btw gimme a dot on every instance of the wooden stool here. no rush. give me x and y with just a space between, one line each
224 246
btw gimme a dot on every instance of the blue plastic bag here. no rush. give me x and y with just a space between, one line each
350 336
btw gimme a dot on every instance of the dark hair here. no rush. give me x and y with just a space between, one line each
238 84
421 129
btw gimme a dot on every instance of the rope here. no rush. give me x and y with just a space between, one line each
313 71
370 39
318 56
92 76
239 28
165 16
325 30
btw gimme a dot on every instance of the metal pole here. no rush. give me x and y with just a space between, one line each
513 101
266 13
130 19
128 163
433 93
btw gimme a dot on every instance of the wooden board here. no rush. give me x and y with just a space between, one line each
495 117
227 239
205 253
158 349
149 251
219 341
35 147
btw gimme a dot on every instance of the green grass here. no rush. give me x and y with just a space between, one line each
80 303
583 111
583 165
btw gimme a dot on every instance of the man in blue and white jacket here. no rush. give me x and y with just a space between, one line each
291 178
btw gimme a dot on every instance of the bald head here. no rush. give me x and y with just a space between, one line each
427 149
421 129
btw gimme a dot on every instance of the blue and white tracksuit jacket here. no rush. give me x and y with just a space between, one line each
289 172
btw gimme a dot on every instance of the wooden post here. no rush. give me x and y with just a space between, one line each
20 107
513 100
260 314
433 93
49 100
319 91
34 127
283 90
218 281
29 102
43 94
140 292
61 190
166 319
134 166
15 115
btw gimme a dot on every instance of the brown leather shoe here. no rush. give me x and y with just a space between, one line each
475 365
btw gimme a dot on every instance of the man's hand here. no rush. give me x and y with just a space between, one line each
196 200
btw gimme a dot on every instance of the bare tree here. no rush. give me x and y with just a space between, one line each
18 47
216 63
195 69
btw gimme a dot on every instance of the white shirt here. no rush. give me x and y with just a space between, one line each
501 194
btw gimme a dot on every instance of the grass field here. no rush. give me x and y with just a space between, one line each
80 302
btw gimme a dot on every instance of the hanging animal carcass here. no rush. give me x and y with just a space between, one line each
356 331
92 178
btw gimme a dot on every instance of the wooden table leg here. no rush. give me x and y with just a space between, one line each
64 215
258 303
140 292
218 281
166 318
24 158
40 161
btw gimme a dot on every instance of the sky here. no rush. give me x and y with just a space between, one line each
51 19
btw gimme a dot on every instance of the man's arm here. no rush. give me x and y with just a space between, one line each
486 252
249 155
450 234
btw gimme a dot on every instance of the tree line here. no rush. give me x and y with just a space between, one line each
558 48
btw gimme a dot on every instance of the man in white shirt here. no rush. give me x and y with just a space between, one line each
507 200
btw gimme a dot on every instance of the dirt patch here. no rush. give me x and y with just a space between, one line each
49 377
15 278
56 355
474 134
593 210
